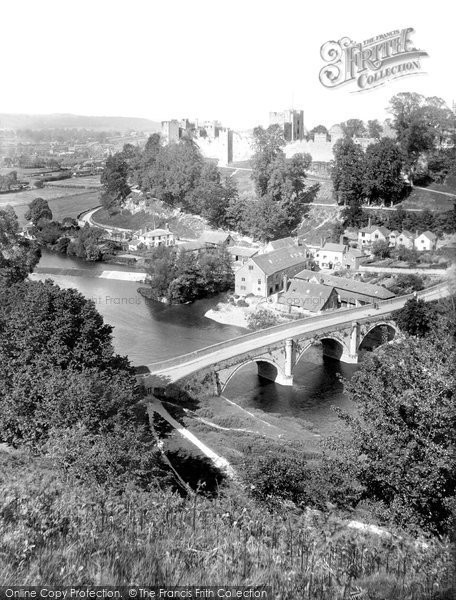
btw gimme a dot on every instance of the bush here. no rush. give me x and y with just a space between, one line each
261 319
242 303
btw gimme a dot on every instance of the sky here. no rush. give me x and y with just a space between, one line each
233 61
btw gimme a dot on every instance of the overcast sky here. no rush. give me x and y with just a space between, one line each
233 61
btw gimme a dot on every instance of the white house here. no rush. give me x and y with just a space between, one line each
155 237
405 239
426 241
331 256
368 235
393 238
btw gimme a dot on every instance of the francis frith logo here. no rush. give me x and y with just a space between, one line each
372 62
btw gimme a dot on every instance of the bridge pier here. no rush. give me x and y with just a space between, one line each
351 357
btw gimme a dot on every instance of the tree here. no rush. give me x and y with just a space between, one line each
383 165
38 210
18 256
57 364
353 128
318 129
416 317
353 215
176 172
402 436
374 129
267 144
381 249
406 284
348 171
114 179
421 125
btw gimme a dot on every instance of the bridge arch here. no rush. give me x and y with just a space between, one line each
267 368
333 347
379 333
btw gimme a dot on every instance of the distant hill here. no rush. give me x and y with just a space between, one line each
66 121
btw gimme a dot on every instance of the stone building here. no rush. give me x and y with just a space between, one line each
266 274
292 123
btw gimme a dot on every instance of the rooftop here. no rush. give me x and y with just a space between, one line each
373 228
154 232
280 259
345 284
242 251
286 242
214 237
431 236
308 295
331 247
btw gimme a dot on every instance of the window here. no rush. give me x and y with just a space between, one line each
250 267
242 287
270 290
242 278
276 287
363 234
259 281
376 236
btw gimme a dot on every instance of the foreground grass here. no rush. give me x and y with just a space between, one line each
56 532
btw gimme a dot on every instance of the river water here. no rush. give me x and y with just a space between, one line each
149 331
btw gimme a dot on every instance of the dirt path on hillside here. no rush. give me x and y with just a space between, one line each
155 406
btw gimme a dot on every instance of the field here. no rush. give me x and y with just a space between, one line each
92 181
63 203
428 198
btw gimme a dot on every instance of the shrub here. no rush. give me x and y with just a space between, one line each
261 319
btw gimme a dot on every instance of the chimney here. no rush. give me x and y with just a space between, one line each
167 226
285 282
341 239
322 241
369 222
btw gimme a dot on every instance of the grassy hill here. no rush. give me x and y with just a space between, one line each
54 531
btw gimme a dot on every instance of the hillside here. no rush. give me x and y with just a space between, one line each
68 121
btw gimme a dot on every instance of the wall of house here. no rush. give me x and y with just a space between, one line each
247 278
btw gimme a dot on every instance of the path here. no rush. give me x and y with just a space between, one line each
154 405
417 187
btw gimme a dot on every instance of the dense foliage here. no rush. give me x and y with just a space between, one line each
59 532
57 365
18 256
402 436
180 277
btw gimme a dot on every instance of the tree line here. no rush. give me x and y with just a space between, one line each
178 175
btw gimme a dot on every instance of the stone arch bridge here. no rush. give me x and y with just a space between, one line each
343 333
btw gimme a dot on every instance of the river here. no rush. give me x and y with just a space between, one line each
149 331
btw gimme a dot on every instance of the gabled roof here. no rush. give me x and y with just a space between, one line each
311 296
156 232
274 261
374 228
214 237
242 251
345 284
430 236
190 246
286 242
331 247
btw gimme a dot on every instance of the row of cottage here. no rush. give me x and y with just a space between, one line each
427 241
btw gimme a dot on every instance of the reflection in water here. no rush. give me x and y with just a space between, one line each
317 387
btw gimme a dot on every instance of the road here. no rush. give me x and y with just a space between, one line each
175 368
